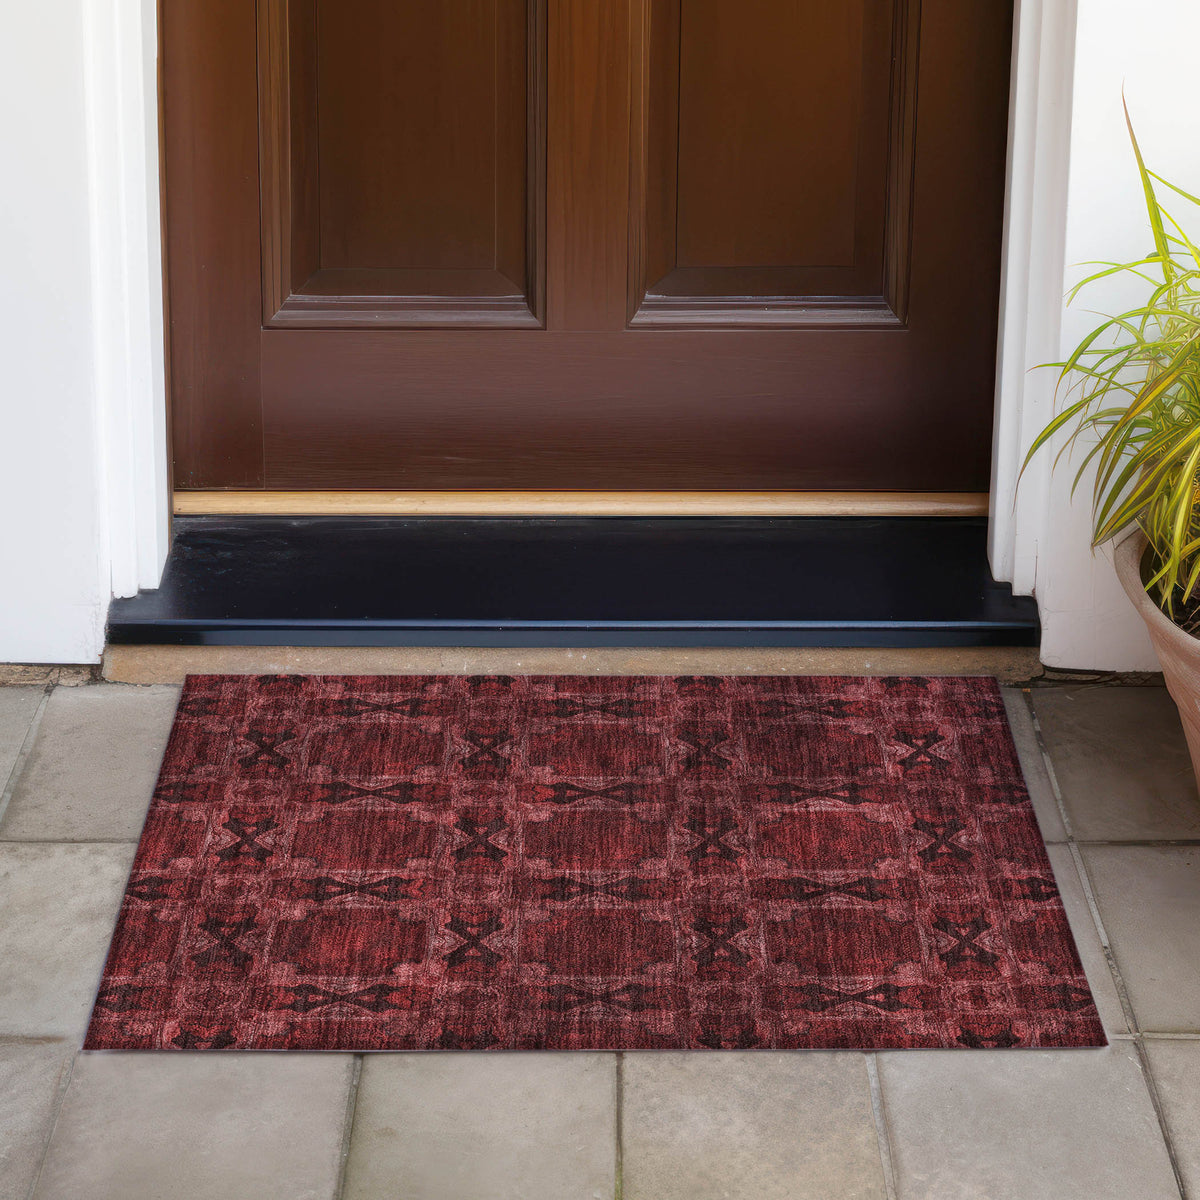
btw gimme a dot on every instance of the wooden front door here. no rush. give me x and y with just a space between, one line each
584 244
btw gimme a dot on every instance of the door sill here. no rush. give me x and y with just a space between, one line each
580 504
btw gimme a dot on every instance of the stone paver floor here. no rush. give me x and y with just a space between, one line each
1113 788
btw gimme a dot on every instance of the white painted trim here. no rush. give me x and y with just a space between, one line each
1033 279
120 42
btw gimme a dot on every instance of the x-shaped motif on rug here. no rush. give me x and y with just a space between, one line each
225 951
487 750
339 792
394 887
885 996
631 997
921 746
474 934
246 843
719 947
377 998
266 752
479 842
712 836
965 936
704 754
566 887
942 843
569 793
850 793
863 888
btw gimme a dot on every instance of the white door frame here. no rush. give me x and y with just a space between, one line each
121 44
121 89
1032 274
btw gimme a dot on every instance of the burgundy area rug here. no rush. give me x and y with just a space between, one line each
442 862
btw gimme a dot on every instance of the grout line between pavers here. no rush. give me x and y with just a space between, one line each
1085 882
10 784
619 1128
1135 843
883 1136
62 841
1040 741
348 1126
60 1096
1160 1113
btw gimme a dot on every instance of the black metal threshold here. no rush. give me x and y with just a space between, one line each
577 581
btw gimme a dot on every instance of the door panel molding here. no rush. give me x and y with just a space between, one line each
496 281
870 288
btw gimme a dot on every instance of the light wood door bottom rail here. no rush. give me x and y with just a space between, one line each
584 504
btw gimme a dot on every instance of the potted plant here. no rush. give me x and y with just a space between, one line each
1131 390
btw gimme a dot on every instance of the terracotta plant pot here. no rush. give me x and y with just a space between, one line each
1178 652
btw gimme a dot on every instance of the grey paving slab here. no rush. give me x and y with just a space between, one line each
1024 1125
58 906
1033 766
1149 901
1087 940
174 1126
749 1126
484 1127
1175 1066
1121 760
93 765
17 708
30 1078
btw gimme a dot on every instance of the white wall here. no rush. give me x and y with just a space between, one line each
82 431
53 599
1042 543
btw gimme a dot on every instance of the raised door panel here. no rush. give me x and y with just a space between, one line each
775 141
399 146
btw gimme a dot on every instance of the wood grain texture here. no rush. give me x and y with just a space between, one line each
769 130
411 95
587 164
761 138
211 218
585 504
884 389
395 165
652 410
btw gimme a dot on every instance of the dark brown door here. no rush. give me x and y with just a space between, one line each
601 244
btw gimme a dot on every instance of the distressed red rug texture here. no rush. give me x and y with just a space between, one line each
400 863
